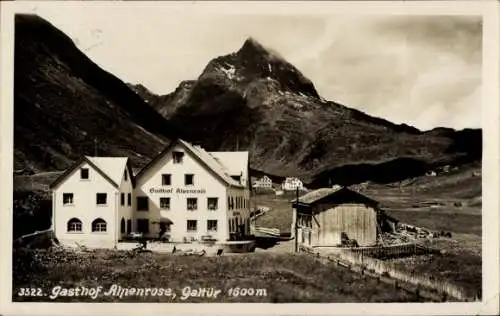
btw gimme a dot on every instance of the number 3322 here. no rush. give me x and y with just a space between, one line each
30 291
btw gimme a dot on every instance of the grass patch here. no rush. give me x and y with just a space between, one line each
284 277
280 215
462 269
438 220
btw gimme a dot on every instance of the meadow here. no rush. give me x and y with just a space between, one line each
272 277
450 202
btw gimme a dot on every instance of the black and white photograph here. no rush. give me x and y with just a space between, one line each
266 152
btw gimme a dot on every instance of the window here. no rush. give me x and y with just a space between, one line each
84 173
129 199
232 203
142 203
178 155
229 203
99 225
212 225
122 226
74 225
192 204
122 199
143 225
166 179
125 175
189 179
101 198
212 203
192 225
165 203
67 198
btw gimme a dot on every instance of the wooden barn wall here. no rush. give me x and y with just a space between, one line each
356 220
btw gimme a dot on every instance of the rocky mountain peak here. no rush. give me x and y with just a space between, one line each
254 62
252 48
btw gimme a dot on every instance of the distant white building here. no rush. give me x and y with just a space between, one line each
185 191
264 182
292 184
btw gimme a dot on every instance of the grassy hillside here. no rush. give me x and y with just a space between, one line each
285 278
449 201
66 106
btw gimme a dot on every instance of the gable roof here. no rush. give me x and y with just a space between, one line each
236 162
320 194
110 168
202 156
265 179
114 167
291 179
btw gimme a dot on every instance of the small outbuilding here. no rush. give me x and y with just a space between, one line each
336 216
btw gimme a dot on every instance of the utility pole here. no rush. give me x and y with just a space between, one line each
296 219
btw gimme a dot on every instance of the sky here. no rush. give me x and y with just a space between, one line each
424 71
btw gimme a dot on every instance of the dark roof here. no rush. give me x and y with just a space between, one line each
93 165
313 196
330 194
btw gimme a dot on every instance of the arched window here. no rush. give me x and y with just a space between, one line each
99 225
74 225
122 226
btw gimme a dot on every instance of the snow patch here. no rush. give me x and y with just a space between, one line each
230 71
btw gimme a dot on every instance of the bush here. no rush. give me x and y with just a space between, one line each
31 213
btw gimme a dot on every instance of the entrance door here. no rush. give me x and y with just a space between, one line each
163 229
129 226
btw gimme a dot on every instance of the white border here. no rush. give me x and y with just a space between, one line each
490 115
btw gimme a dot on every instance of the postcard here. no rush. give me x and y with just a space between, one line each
250 157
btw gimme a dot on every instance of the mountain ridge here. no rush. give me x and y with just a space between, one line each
256 98
66 106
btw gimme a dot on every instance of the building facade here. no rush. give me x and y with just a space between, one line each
264 182
92 202
331 216
291 184
183 194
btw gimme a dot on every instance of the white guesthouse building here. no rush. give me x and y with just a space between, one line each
185 192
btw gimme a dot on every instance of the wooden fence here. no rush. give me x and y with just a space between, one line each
419 284
267 231
391 251
43 237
